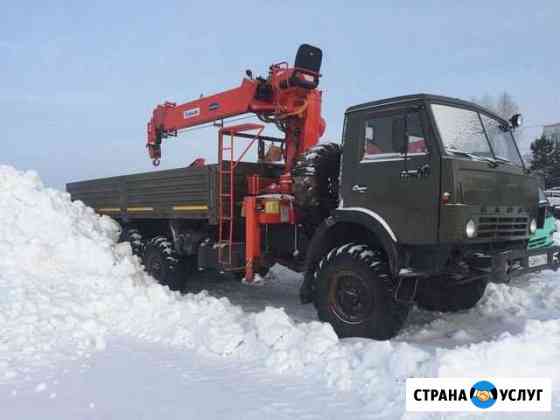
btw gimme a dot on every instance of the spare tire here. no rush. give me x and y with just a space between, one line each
315 176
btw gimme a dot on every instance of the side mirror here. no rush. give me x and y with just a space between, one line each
516 120
400 137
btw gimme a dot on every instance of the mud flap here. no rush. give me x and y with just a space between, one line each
406 289
501 268
306 289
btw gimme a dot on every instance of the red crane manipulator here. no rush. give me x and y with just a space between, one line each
288 97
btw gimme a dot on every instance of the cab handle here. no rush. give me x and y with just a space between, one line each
359 188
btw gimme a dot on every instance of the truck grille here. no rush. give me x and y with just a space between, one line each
500 227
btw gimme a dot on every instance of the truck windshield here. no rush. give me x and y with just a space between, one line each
469 133
461 130
502 141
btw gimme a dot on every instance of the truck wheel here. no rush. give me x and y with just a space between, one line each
440 294
163 264
355 293
315 177
134 237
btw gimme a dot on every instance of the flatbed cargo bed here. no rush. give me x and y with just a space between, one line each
182 193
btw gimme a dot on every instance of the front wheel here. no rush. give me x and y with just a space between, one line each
355 293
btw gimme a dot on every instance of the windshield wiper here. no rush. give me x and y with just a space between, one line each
461 153
502 159
493 163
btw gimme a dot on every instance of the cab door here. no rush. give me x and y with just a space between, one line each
391 167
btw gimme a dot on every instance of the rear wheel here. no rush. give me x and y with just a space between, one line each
355 293
133 236
164 264
442 295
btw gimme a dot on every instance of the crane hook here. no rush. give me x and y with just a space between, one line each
155 162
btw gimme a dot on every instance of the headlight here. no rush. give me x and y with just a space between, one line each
470 229
533 226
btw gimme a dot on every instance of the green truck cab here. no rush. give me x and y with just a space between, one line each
542 238
435 196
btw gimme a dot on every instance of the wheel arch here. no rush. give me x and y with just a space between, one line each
343 226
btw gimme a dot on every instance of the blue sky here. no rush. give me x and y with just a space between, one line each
79 79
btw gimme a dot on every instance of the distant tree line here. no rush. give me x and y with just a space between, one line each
504 105
546 160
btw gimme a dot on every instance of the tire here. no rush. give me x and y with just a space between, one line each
315 176
134 237
355 293
163 263
439 294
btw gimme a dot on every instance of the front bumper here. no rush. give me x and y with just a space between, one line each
502 266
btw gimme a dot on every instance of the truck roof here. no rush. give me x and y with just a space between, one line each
422 97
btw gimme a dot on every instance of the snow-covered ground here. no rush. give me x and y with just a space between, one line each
85 333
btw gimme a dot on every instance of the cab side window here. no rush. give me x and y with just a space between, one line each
378 134
381 136
416 139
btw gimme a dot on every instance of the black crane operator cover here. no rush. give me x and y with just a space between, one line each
309 58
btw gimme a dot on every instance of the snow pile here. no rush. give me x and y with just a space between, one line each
522 335
66 287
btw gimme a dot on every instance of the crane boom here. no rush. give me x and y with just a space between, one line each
288 97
